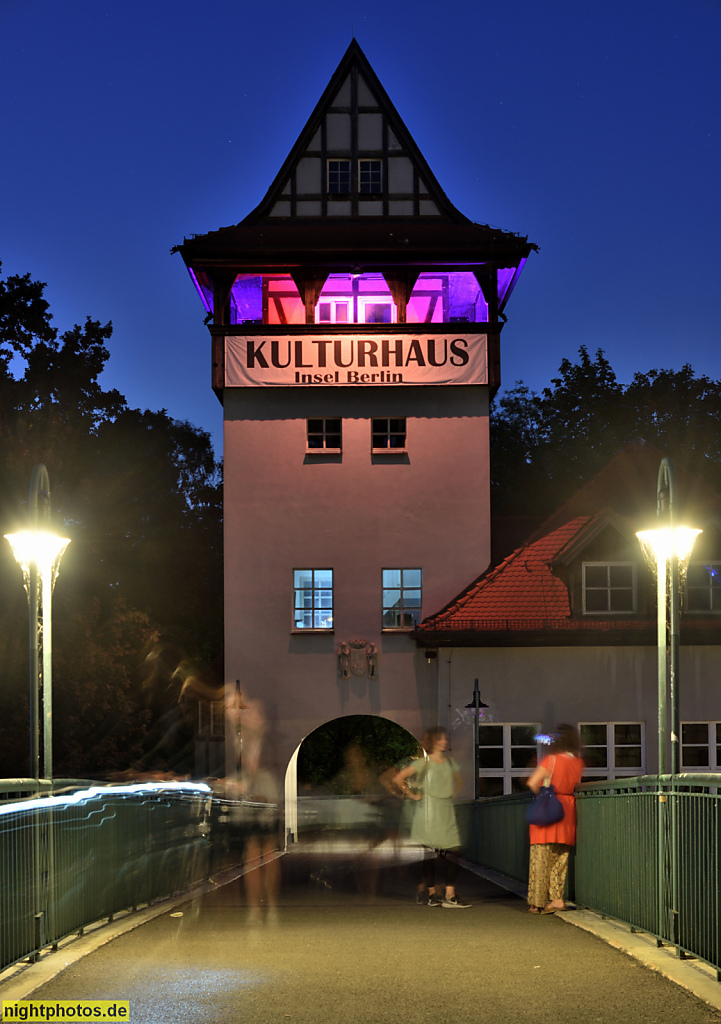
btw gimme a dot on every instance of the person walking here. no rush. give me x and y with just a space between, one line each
551 844
434 822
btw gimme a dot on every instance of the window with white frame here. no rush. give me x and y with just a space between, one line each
373 309
613 750
323 435
402 591
703 587
609 587
313 599
339 177
334 311
370 176
388 435
701 746
507 754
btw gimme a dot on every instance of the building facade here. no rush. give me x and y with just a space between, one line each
355 317
564 629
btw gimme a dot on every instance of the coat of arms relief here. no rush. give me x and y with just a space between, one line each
357 658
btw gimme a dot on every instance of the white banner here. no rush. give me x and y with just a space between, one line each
260 361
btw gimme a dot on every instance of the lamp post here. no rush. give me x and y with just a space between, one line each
38 551
476 704
668 549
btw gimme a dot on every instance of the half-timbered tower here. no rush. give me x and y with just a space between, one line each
355 318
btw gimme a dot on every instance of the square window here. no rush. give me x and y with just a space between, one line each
323 435
376 309
507 754
615 748
593 734
703 587
388 434
490 757
370 178
332 312
378 312
609 587
700 746
490 735
629 732
338 177
313 599
401 598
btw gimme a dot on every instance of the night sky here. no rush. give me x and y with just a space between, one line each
591 126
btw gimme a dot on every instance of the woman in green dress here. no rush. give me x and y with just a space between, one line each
438 781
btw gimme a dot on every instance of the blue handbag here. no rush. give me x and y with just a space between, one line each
546 809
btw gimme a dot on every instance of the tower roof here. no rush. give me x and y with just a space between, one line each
355 186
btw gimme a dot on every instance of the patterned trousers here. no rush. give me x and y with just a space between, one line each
547 870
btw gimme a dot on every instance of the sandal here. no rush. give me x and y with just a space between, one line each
535 910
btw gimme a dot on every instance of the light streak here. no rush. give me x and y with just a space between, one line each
83 795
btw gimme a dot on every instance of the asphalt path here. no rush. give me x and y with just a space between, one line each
351 945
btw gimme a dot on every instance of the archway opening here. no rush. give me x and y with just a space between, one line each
341 773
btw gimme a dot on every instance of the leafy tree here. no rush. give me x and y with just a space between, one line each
139 494
321 755
543 447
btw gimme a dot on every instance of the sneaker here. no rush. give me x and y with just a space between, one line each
453 901
422 897
434 900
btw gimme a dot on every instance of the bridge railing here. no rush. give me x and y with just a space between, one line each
88 852
647 854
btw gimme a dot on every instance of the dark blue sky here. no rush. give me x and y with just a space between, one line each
592 126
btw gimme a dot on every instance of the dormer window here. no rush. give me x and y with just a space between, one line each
609 587
703 587
338 177
370 178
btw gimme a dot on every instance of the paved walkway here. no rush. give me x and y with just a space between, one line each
338 953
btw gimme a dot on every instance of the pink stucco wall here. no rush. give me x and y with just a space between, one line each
356 514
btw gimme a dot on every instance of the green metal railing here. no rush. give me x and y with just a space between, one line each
647 854
74 858
494 834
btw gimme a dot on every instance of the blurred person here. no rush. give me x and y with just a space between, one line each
256 783
361 780
434 825
551 844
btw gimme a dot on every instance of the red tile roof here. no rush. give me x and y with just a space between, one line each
524 596
521 588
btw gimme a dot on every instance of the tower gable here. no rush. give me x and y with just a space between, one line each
355 159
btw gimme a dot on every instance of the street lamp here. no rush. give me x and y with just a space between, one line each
38 551
667 549
476 704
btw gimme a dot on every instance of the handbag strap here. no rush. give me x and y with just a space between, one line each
549 778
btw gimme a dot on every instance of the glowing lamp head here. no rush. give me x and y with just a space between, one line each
668 542
37 547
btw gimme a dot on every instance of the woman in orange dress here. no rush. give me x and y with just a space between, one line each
551 844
